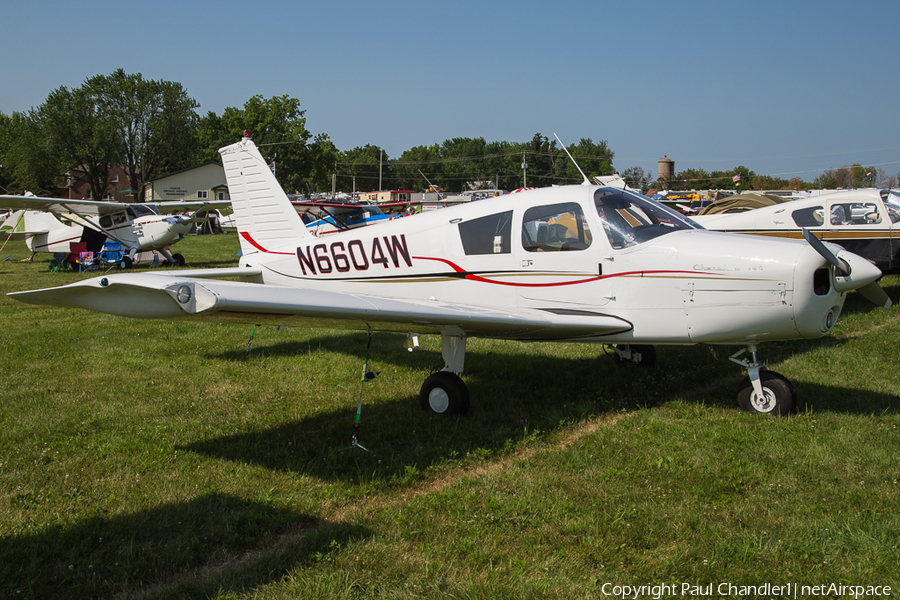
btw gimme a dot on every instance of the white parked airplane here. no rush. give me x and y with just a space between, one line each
138 227
581 263
865 222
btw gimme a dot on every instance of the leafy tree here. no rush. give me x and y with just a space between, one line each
25 164
637 178
863 177
80 133
540 155
156 122
885 181
324 154
212 135
593 158
369 165
277 126
690 179
420 166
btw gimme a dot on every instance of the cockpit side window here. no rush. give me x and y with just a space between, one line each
487 235
554 228
630 219
809 217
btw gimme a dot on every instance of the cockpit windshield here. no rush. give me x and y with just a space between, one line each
630 219
892 204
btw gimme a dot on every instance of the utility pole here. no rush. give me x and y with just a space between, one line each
524 171
380 163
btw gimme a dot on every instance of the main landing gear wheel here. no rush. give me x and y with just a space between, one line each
642 355
778 396
178 260
444 393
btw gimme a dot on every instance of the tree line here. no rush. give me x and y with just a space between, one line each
151 128
742 178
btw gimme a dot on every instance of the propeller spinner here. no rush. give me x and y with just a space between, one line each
852 272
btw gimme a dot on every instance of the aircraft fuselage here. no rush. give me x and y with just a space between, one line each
556 250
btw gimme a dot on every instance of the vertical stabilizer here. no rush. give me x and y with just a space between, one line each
265 219
31 222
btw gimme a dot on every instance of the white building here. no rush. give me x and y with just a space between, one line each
203 182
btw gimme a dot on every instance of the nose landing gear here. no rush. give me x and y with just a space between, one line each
763 391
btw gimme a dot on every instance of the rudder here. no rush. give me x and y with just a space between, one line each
266 220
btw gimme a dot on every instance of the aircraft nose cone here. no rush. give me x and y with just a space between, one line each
862 272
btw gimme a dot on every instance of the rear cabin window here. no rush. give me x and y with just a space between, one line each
855 213
487 235
554 228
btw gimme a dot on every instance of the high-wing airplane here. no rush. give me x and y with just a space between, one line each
328 217
138 227
580 263
865 222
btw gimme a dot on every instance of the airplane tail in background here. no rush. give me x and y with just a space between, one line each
266 220
26 224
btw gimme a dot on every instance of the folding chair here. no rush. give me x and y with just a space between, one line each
58 263
112 253
86 261
75 249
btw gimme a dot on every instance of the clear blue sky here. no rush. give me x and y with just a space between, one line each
786 88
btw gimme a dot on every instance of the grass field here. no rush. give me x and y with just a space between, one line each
156 459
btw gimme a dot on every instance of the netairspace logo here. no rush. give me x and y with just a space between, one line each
763 590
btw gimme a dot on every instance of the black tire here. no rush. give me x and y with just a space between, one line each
444 393
780 397
126 262
646 352
178 260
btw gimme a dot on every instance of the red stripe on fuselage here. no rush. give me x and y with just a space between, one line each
253 243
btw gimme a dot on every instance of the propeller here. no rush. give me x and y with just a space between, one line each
874 294
866 280
841 265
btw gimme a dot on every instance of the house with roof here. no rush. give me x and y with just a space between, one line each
203 182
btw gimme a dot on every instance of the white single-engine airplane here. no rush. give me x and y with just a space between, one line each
580 263
138 227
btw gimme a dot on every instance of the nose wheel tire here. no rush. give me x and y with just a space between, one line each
444 393
778 396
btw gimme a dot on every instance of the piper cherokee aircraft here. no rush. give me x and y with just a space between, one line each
864 222
579 263
139 227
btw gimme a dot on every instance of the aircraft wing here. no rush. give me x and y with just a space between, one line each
194 205
182 294
60 206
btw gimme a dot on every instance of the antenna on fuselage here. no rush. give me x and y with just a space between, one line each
586 180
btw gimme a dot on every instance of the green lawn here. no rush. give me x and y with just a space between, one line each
157 459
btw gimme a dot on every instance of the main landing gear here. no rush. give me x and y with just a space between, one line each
635 354
445 392
761 392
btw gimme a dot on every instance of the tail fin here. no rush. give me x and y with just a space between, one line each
26 223
266 221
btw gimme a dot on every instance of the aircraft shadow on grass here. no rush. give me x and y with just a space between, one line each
513 395
167 547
